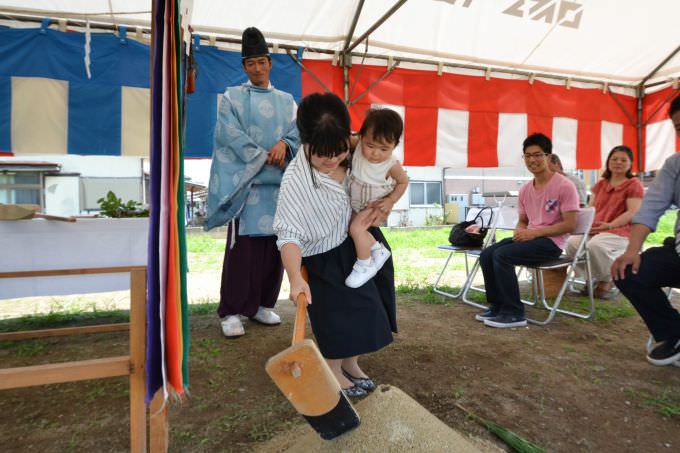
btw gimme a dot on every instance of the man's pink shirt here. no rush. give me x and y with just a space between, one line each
544 206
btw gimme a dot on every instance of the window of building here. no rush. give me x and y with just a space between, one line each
20 188
425 193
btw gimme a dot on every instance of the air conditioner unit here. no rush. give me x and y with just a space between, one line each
477 199
460 198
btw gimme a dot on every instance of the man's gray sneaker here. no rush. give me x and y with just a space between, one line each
488 314
504 321
665 353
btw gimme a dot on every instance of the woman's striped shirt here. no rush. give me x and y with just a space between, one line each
316 218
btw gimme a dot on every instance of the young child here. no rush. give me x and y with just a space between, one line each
377 181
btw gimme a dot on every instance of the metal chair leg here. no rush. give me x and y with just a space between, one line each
444 293
467 287
554 308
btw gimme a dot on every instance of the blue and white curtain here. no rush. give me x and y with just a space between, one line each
48 105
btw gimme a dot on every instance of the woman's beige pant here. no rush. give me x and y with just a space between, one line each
603 248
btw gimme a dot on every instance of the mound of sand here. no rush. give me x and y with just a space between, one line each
391 421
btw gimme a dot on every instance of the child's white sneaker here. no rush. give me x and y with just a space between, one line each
380 256
361 274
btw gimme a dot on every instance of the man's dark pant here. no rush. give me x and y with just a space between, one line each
498 266
251 275
659 267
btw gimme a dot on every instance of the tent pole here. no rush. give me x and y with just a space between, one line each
378 23
353 26
653 84
659 66
345 81
304 68
640 95
633 121
665 101
375 82
346 63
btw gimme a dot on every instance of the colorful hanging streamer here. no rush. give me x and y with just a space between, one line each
167 312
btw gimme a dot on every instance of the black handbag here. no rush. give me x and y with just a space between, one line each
461 238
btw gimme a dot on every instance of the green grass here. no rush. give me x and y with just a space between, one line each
57 320
63 319
663 229
427 239
667 403
605 310
517 443
205 253
417 263
31 348
202 243
416 257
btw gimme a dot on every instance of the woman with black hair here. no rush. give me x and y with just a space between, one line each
616 198
311 222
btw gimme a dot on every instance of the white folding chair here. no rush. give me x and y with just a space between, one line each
504 218
507 221
490 217
583 224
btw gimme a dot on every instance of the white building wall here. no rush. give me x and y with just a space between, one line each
93 166
85 179
62 195
403 213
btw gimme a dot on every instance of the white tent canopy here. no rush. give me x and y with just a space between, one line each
617 41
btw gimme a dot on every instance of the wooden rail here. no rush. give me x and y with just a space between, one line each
57 373
28 334
131 365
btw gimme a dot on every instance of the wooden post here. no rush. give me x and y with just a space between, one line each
137 361
134 365
158 425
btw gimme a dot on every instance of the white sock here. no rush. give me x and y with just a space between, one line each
376 246
365 263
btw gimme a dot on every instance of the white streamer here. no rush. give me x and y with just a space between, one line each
88 38
186 9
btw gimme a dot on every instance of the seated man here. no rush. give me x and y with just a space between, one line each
548 207
555 165
642 277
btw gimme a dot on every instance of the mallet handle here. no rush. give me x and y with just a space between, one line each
300 313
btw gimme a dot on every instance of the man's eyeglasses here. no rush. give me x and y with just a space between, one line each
533 156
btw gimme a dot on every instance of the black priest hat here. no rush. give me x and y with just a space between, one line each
253 44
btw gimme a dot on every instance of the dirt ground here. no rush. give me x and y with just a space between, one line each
574 386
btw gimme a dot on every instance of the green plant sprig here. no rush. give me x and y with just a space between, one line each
112 206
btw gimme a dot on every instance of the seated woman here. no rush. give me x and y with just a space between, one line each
616 198
311 222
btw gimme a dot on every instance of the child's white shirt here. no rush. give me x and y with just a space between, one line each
369 181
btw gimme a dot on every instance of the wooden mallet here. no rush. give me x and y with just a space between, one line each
25 212
303 376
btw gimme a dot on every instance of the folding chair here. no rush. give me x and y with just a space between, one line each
502 218
507 221
583 224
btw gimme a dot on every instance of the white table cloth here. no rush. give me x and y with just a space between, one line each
37 244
